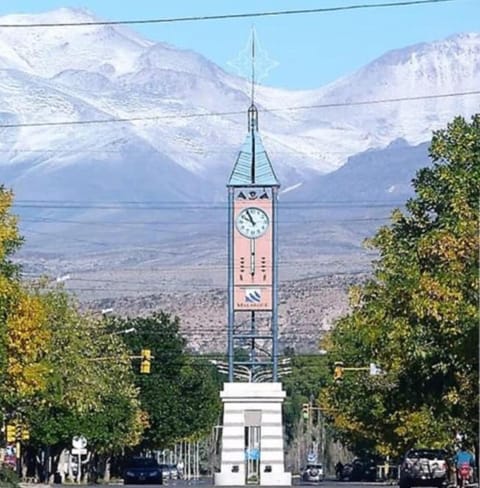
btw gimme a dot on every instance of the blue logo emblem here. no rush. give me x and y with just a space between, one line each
253 295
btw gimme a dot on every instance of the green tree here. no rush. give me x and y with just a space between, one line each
91 389
309 375
61 370
180 395
418 317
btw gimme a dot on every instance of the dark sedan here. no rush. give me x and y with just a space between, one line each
142 470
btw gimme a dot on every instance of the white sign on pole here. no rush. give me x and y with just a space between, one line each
79 451
79 442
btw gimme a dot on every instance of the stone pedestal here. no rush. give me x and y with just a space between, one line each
252 405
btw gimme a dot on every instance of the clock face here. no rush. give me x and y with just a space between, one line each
252 222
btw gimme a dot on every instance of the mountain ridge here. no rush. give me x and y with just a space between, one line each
190 120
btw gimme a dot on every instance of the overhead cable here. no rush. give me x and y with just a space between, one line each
243 15
225 114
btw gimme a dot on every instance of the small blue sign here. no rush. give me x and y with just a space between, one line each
253 454
312 457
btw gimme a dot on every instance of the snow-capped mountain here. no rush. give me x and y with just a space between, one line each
447 66
178 145
102 72
48 51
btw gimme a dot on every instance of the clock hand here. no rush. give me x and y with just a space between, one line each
250 217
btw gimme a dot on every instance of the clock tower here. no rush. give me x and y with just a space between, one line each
252 258
252 438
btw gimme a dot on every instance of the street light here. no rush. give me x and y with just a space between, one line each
240 371
118 332
126 331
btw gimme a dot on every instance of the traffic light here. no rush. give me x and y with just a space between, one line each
18 431
146 358
25 433
338 372
11 433
305 411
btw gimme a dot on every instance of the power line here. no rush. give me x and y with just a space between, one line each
222 328
228 150
147 286
244 15
208 267
304 206
223 114
149 283
121 120
189 205
191 286
193 222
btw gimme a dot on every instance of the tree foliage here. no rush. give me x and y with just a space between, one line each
60 371
418 317
180 395
91 390
309 375
66 372
23 337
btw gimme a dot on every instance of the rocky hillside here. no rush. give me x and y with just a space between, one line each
307 309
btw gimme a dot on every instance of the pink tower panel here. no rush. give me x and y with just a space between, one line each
252 261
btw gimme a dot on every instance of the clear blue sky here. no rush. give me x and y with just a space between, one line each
312 49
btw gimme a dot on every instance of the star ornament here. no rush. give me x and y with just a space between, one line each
253 61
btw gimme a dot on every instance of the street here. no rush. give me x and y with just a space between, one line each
206 483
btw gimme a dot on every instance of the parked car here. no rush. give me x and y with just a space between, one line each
169 471
174 474
313 473
142 470
359 470
352 471
424 467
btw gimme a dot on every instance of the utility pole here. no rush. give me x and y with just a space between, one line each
18 445
310 439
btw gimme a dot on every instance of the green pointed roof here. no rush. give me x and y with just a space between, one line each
253 167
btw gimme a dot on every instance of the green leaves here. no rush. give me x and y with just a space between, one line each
180 396
418 317
71 373
90 389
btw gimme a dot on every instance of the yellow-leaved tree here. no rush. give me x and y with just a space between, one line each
23 336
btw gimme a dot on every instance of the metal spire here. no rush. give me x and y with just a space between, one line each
253 66
252 111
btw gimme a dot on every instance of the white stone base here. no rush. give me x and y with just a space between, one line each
242 401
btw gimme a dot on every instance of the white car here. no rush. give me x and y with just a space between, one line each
313 472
